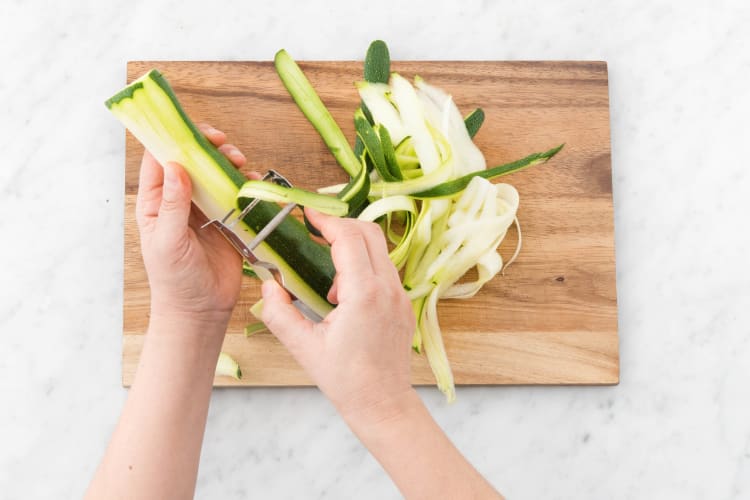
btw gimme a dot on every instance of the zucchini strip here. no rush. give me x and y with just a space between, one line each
389 153
377 67
442 114
309 103
254 328
455 186
268 191
384 112
384 206
370 139
389 206
356 191
410 109
474 121
226 366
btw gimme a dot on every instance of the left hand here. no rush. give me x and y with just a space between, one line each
193 273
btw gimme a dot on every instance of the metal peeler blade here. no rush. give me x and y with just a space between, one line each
266 269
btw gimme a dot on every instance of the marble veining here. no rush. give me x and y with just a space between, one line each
677 426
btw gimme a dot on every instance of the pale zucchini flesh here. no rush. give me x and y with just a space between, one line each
227 366
268 191
150 111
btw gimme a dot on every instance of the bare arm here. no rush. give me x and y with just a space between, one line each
416 453
359 356
154 450
194 278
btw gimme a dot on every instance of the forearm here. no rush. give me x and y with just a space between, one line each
155 448
416 453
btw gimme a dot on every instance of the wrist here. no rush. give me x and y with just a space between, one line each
178 354
195 311
375 413
188 327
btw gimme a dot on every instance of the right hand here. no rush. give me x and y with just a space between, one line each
360 354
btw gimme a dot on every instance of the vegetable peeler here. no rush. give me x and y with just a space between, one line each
265 270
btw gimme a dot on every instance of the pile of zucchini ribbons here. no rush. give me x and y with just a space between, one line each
415 170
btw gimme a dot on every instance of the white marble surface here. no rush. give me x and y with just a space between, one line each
677 426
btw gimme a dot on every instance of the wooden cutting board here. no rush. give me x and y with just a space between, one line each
551 319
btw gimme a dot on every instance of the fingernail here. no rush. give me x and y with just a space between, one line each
234 152
212 131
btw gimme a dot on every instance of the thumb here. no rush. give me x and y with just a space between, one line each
286 321
174 210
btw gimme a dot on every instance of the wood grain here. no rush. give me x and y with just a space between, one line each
551 319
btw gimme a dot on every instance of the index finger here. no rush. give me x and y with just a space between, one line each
216 136
377 249
348 246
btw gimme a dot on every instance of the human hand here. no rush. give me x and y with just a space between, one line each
193 273
359 355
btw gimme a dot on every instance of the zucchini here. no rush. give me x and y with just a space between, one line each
356 191
371 141
312 107
226 366
455 186
377 62
268 191
150 110
254 328
377 69
474 121
377 98
389 152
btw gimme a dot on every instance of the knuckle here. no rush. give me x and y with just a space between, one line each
270 317
230 150
169 204
373 229
369 289
349 230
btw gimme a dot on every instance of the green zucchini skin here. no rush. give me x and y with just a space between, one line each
372 145
474 121
308 101
389 152
127 92
377 62
377 69
290 241
455 186
356 190
222 161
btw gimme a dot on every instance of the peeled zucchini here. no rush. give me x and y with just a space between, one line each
150 110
